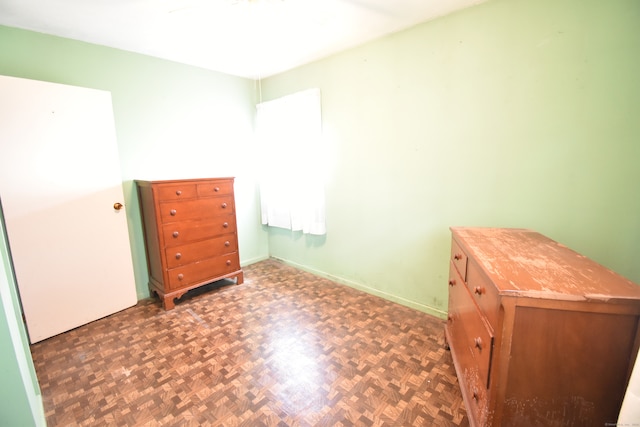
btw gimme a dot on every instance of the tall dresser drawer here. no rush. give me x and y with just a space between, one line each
176 192
484 293
207 189
455 326
197 251
203 270
196 209
477 392
177 233
460 334
459 259
478 340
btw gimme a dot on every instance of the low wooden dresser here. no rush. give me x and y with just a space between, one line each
539 334
190 234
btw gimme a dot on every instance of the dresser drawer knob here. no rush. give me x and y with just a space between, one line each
478 343
216 189
178 255
228 262
450 318
476 396
227 243
175 234
224 205
225 225
452 282
180 276
479 290
179 192
173 212
457 257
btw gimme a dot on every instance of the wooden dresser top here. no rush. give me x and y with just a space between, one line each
522 262
181 181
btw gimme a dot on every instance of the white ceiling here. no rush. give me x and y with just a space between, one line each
249 38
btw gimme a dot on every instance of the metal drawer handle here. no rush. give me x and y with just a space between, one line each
224 205
225 225
228 262
178 255
452 282
178 193
175 234
180 276
227 243
457 257
173 212
216 189
479 290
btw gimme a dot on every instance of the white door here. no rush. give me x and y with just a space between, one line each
59 181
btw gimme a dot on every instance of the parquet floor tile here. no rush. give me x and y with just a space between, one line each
284 349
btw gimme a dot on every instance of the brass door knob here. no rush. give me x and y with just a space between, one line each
117 206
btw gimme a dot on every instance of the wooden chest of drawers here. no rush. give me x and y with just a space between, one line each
539 334
190 234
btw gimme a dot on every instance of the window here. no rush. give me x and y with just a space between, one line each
289 133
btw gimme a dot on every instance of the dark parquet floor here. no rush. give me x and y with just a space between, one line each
286 348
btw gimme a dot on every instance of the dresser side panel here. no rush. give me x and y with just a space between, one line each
150 229
567 367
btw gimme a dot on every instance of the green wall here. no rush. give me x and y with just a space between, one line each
513 113
20 397
172 121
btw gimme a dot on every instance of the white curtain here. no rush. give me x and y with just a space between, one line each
289 131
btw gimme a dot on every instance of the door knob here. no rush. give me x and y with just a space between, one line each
117 206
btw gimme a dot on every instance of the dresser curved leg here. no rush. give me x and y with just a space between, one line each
168 302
